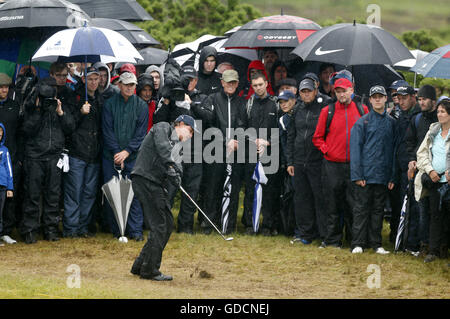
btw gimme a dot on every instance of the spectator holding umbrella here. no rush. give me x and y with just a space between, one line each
333 140
84 145
431 163
372 169
124 126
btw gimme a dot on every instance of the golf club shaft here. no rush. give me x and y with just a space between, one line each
200 210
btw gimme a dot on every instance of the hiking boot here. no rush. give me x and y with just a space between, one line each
423 250
429 258
443 252
30 238
249 231
266 232
357 250
51 237
8 240
207 231
381 251
161 277
300 240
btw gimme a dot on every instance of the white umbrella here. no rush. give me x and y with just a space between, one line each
409 63
90 42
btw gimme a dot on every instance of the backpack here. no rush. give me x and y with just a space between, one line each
331 109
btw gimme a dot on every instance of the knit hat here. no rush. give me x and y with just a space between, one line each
428 92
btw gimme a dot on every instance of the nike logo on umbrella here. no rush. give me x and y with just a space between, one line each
320 52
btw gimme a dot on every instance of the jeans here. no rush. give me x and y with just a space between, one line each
80 190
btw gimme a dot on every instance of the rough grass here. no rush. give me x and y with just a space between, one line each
207 267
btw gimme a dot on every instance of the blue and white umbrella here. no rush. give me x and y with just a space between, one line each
436 64
87 43
260 178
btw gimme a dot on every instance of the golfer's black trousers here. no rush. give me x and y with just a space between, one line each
368 211
158 217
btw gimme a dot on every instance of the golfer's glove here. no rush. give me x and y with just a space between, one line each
174 177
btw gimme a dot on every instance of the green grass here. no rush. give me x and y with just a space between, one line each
396 16
207 267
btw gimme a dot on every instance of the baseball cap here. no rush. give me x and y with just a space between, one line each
343 74
230 75
286 95
190 72
127 78
442 98
188 120
307 84
405 90
92 70
377 89
127 67
398 83
287 81
5 79
311 76
343 83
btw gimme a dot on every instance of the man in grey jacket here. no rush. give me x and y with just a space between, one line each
156 166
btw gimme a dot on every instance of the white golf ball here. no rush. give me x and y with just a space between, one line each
123 240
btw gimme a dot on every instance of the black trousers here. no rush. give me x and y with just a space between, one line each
270 208
310 213
41 176
339 198
368 211
158 217
439 221
214 194
191 180
12 213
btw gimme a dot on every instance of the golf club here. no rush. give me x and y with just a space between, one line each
204 215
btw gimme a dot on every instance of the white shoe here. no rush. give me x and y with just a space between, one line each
381 251
357 250
8 239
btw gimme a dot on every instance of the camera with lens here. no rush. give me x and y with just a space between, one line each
47 95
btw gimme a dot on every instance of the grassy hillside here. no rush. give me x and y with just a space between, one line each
396 16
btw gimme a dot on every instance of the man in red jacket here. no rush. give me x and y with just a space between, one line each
333 140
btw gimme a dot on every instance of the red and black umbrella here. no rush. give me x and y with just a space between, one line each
279 31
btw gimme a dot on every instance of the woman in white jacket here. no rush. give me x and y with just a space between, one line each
432 160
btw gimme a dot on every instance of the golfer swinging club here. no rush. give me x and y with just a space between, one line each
155 166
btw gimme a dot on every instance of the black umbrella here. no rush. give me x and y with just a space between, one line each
353 44
137 36
40 14
153 56
129 10
280 31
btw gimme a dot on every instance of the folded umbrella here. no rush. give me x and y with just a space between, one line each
260 178
119 194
